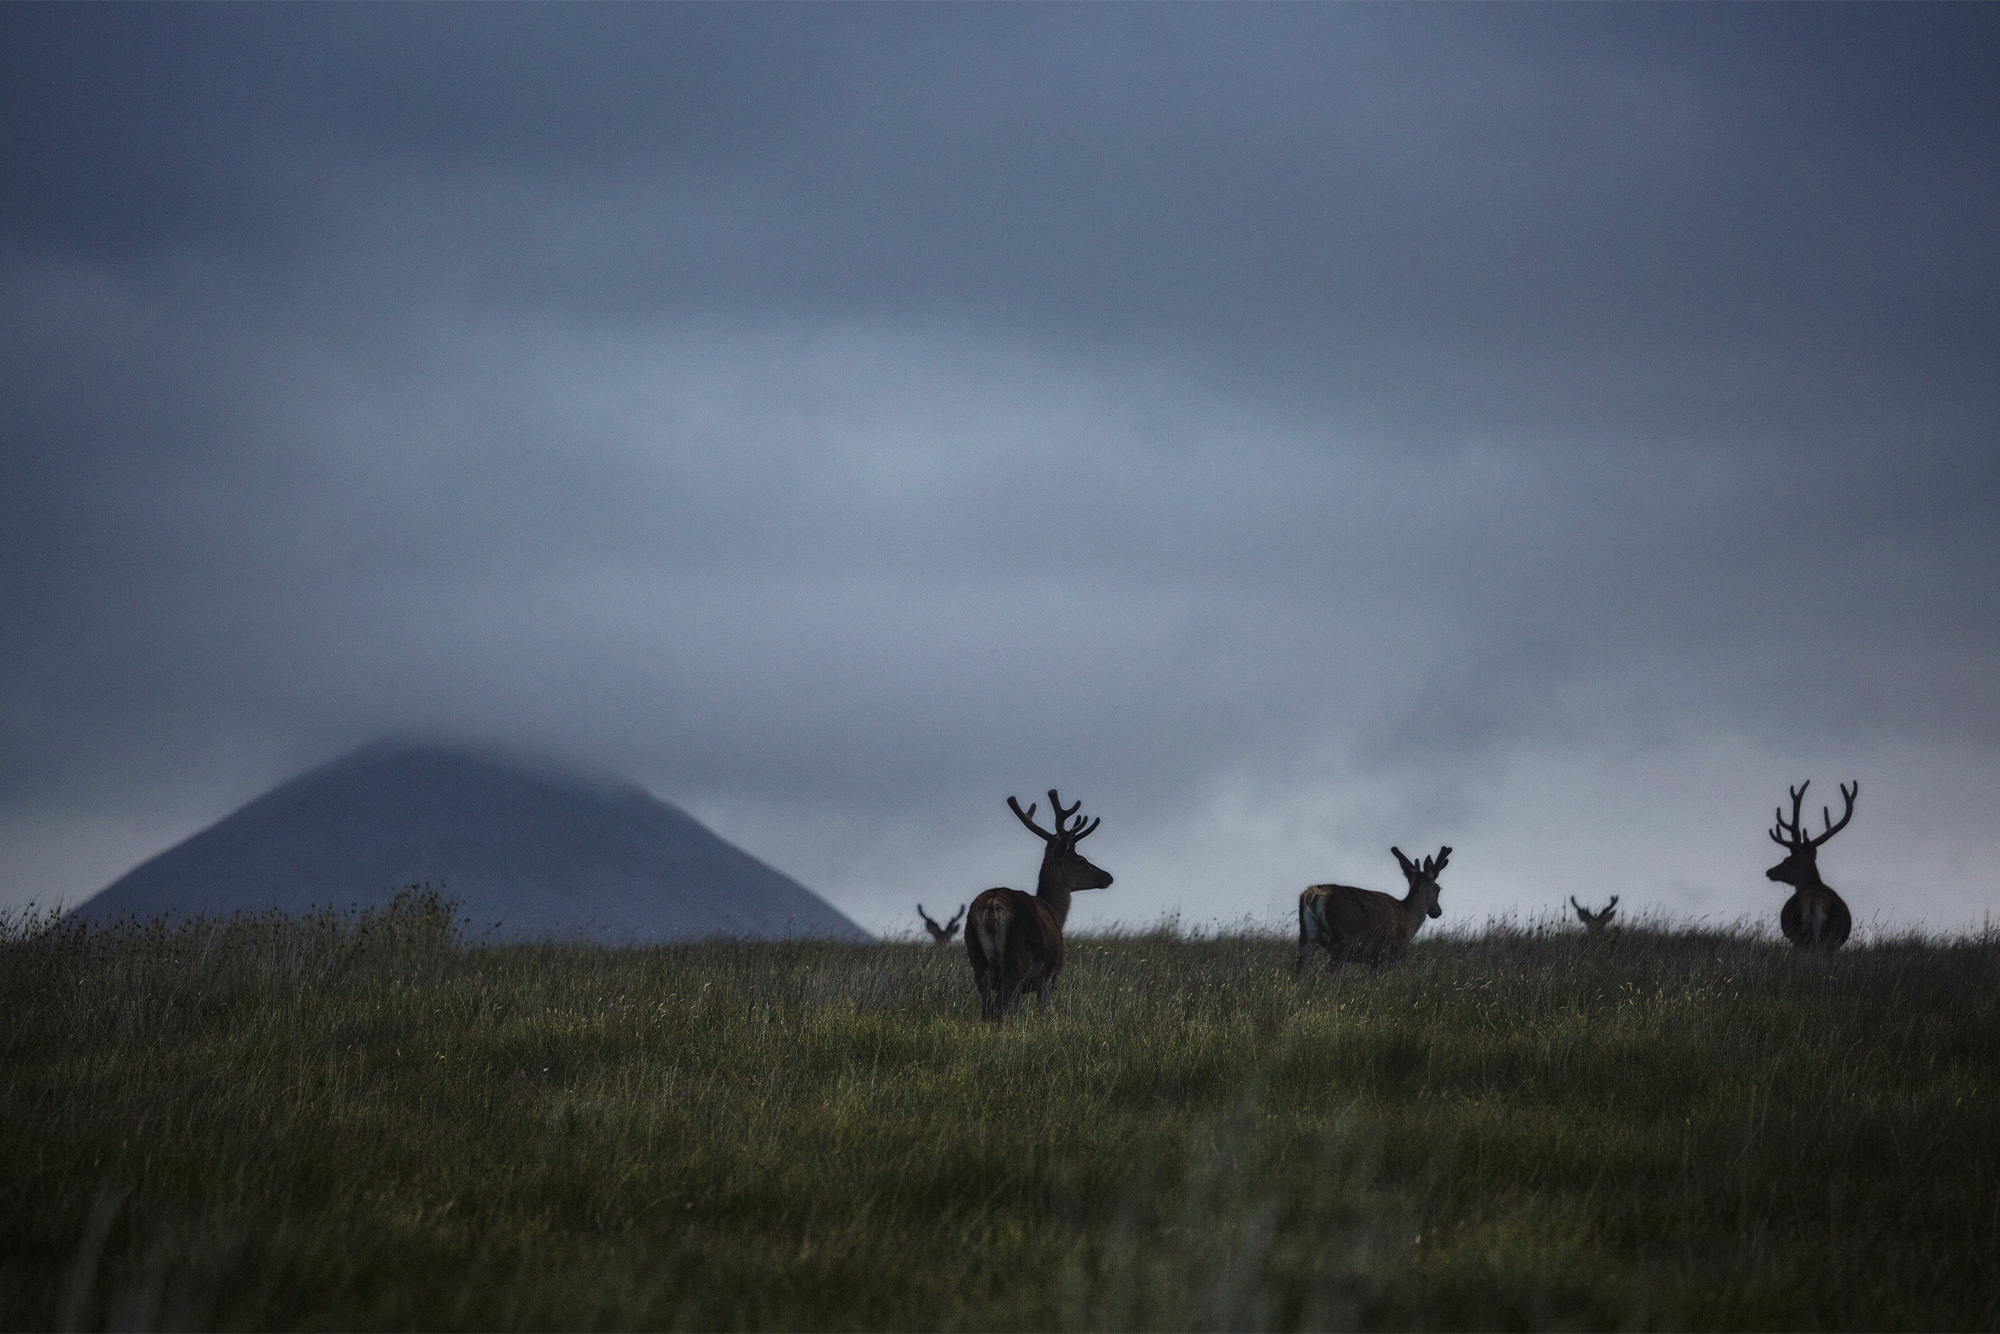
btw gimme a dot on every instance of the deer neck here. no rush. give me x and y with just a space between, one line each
1416 906
1050 889
1805 875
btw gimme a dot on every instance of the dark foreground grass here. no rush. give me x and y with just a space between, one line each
349 1122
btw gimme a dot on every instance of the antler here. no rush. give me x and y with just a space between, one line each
955 916
1788 834
1594 920
1430 865
1028 819
1078 831
927 918
1826 816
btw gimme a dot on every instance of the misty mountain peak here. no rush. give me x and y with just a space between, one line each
528 846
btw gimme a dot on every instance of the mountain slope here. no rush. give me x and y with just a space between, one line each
536 849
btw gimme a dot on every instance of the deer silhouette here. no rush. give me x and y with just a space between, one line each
1367 924
1814 917
941 935
1595 922
1015 940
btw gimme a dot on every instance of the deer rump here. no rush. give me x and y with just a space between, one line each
1815 918
1365 925
1015 943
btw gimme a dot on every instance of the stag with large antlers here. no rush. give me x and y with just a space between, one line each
1594 922
1814 917
1015 940
1367 924
941 935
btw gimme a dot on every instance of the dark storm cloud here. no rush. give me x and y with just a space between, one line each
142 127
1681 177
844 403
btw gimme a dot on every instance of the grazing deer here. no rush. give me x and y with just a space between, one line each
1367 924
941 935
1813 918
1595 922
1015 940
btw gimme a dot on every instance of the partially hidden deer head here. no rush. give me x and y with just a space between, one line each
1594 922
941 935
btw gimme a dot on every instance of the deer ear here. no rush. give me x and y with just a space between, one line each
1409 867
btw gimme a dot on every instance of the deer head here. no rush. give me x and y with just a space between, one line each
1064 869
1423 879
1596 921
1800 869
941 934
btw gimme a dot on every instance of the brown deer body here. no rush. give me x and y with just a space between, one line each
1366 924
1015 940
1594 922
941 935
1814 917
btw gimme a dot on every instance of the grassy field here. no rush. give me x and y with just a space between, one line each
352 1122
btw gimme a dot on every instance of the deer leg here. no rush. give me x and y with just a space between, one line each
1010 994
1006 995
992 992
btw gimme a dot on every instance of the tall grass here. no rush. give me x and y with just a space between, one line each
352 1121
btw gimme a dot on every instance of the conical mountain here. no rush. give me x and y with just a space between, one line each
537 849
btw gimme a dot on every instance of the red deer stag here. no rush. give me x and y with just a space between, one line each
1595 922
1367 924
941 935
1813 918
1015 940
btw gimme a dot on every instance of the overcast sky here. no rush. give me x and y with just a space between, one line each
1291 430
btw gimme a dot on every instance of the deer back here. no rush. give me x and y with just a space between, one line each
1347 920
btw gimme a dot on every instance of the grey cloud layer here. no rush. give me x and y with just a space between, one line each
836 405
